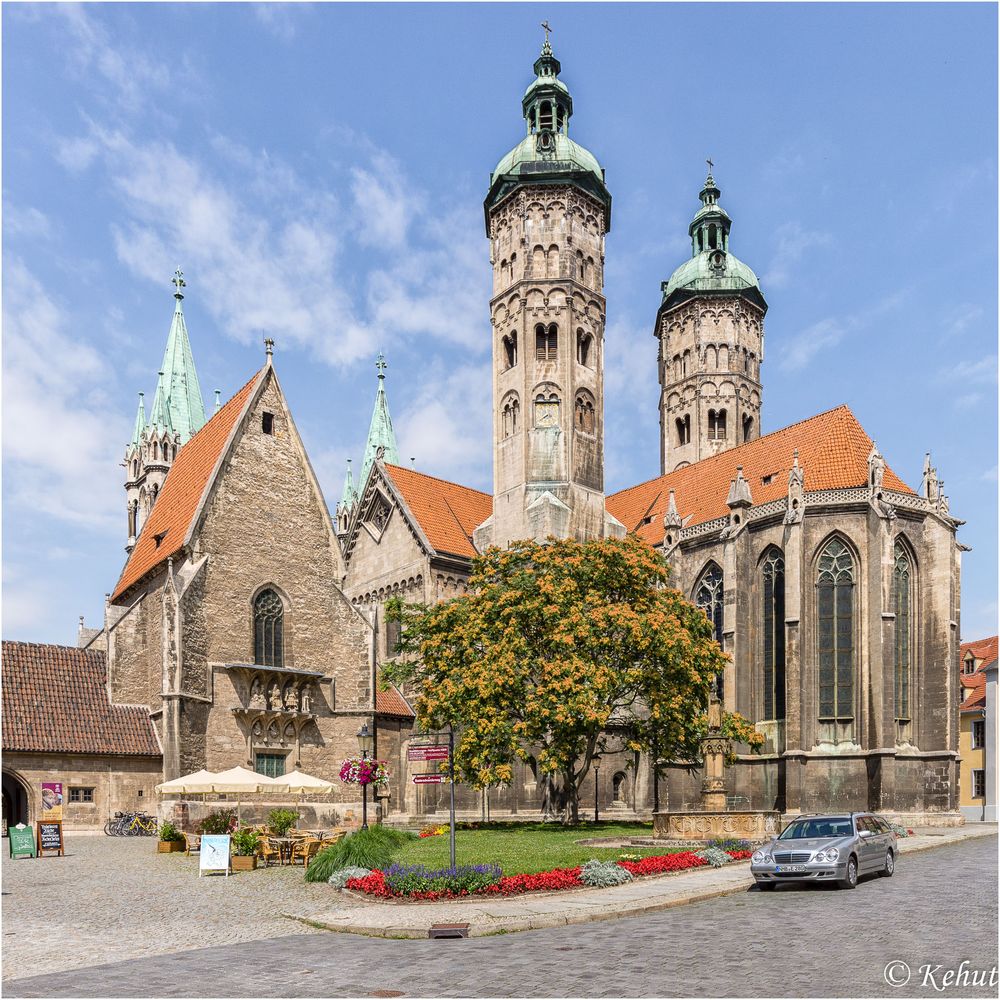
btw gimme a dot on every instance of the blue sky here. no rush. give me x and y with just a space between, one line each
318 172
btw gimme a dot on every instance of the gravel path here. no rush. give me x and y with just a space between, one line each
111 899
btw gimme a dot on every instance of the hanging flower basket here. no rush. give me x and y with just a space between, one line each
355 771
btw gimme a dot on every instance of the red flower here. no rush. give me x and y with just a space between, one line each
740 855
664 863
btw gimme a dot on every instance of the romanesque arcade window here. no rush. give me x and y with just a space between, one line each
902 575
510 416
747 427
773 628
546 342
684 429
716 425
583 418
584 344
835 640
510 350
268 619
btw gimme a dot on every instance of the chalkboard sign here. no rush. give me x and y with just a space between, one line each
21 839
50 836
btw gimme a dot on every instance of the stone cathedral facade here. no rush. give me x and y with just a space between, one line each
250 629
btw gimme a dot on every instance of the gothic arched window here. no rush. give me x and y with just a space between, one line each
773 628
708 596
268 621
835 640
902 576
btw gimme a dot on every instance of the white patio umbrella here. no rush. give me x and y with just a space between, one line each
239 781
188 784
299 783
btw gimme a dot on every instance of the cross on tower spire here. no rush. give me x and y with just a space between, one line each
381 364
178 282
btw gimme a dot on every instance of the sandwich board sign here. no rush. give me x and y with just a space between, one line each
50 836
21 840
214 854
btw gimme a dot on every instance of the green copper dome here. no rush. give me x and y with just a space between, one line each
712 268
547 155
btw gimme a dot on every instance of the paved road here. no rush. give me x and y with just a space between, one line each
940 908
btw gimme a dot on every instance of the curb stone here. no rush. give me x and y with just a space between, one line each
566 909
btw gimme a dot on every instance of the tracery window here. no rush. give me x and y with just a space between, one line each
835 641
708 596
902 575
268 622
773 627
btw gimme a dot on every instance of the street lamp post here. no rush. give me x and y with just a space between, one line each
365 742
597 786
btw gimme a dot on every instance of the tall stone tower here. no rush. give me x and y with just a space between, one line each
177 413
547 212
710 327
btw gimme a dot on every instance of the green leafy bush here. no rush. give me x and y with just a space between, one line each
282 820
170 832
371 848
715 857
340 878
604 873
245 841
221 821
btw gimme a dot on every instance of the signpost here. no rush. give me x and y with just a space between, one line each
214 854
21 839
439 752
50 837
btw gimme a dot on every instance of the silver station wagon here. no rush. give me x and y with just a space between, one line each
835 848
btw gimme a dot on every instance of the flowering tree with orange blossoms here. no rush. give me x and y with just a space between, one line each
556 649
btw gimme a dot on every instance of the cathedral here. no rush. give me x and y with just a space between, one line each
248 621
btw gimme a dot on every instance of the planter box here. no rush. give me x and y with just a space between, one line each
169 846
246 863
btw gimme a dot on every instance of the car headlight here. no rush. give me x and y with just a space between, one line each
820 857
761 858
832 854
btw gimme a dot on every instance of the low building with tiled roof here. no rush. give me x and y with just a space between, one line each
977 737
60 727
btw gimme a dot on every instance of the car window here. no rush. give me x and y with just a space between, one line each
826 826
882 825
868 823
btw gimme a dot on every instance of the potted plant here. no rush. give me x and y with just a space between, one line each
171 839
280 821
245 840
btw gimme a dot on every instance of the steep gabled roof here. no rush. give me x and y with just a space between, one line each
974 685
391 702
55 700
447 512
166 529
833 453
981 649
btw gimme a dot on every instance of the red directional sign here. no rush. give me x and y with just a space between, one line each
428 779
427 752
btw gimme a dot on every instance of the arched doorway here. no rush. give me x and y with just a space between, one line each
15 801
619 789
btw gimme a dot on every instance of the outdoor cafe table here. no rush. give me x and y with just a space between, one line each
285 845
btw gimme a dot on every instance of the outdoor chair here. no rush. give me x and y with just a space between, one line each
192 842
268 852
306 850
332 837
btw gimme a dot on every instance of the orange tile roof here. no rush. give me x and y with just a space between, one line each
833 453
447 513
985 653
391 702
182 491
55 700
981 649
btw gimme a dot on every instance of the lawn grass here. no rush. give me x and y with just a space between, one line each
525 848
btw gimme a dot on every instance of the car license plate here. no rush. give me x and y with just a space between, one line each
790 868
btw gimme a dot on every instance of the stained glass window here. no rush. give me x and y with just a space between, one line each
901 576
835 606
773 572
708 596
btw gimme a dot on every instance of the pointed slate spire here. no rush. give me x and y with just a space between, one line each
672 518
140 423
178 385
381 437
739 491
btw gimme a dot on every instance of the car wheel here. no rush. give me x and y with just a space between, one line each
767 886
890 865
851 880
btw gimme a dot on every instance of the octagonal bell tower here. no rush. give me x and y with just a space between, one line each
547 212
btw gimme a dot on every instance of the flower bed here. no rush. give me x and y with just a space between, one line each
416 883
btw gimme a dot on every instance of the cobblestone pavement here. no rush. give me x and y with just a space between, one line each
115 898
940 908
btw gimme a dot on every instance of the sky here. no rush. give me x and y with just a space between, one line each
318 172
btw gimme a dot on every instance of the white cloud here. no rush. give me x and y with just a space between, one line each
964 317
280 19
385 202
792 242
25 221
982 371
60 426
